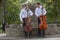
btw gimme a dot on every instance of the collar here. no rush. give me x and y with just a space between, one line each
39 7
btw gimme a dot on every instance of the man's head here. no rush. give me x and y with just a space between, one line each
38 4
26 6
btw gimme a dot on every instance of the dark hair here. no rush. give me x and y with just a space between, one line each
25 5
38 3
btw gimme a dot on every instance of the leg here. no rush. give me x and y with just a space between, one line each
39 31
43 33
30 34
26 34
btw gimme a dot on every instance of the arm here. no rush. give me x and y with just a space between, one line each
44 11
21 15
36 12
31 13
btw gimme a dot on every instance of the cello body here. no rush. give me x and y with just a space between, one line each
43 25
28 27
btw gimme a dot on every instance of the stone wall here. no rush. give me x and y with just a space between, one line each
17 31
52 29
14 31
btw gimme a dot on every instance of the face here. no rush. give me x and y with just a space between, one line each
27 6
37 5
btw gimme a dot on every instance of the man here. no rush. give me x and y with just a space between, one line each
39 11
24 14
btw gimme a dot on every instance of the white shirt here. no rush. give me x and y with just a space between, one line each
24 13
38 11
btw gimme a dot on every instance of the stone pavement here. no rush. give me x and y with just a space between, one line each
48 37
32 39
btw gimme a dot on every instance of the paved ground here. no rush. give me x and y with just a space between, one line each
33 39
48 37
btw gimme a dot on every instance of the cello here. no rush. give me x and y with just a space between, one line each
43 25
28 27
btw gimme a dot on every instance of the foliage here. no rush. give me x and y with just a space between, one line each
13 10
52 7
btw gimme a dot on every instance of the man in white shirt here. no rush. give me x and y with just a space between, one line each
25 12
38 13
